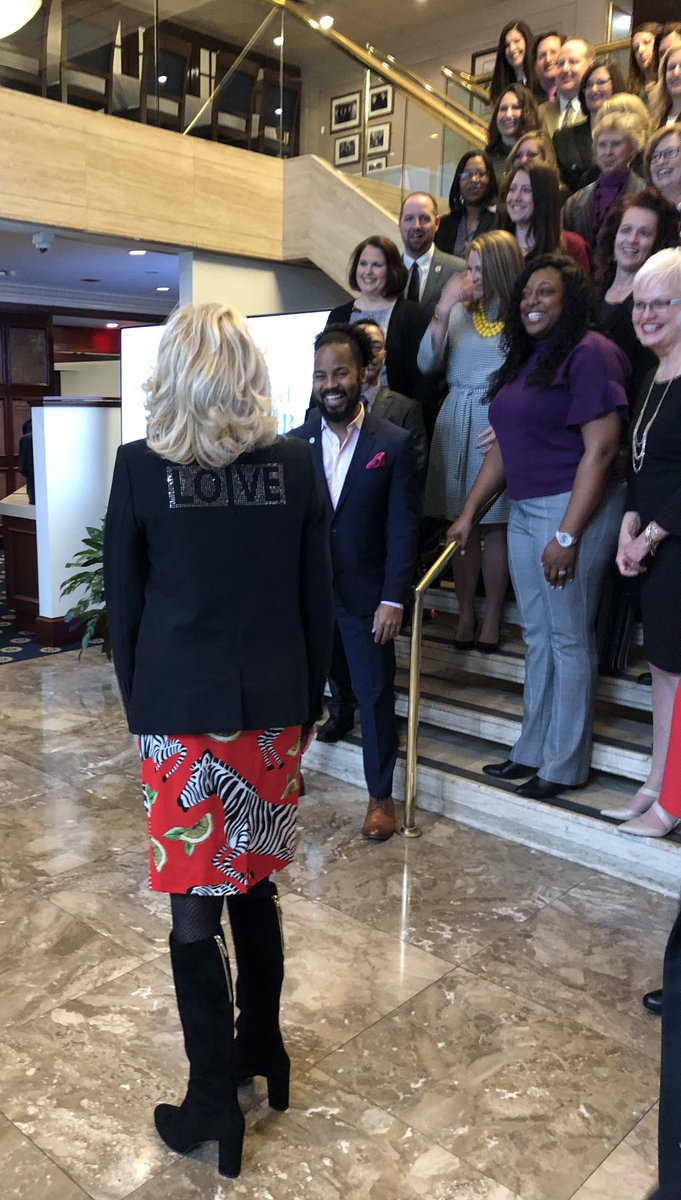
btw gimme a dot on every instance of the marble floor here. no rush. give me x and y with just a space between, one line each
463 1013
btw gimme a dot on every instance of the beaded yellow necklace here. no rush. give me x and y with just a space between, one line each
484 327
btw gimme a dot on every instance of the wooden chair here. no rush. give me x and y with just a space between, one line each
23 54
166 62
88 43
287 98
235 103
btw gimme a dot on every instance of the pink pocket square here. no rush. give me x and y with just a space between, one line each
379 460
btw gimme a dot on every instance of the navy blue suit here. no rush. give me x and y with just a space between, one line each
373 533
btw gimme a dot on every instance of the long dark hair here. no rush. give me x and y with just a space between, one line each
668 219
528 120
572 324
455 198
636 81
545 186
503 73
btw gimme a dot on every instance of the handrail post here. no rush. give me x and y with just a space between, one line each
409 828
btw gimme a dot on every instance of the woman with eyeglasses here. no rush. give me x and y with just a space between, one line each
663 163
514 112
574 143
471 204
649 547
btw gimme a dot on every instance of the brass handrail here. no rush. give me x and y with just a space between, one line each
409 828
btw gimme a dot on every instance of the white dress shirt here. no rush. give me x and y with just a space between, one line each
423 265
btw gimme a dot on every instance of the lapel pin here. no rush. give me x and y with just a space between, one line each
438 268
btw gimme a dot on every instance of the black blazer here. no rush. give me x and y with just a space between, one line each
374 528
406 327
402 411
574 151
449 226
218 591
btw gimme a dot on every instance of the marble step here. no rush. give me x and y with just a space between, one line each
444 600
492 710
438 658
450 782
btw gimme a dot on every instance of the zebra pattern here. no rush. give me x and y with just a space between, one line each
266 741
251 823
160 749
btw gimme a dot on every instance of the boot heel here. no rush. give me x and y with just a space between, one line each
230 1149
278 1088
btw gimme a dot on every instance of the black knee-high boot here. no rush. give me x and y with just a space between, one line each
210 1110
259 944
669 1144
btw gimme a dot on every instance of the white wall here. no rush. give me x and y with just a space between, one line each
90 378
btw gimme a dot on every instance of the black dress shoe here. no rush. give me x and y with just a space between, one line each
333 730
487 647
508 769
537 788
653 1002
458 644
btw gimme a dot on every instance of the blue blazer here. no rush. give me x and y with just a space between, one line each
374 529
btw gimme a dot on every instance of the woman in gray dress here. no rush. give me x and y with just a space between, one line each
466 331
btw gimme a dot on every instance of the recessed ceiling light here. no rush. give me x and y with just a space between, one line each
325 22
137 253
278 112
278 41
163 78
162 289
112 324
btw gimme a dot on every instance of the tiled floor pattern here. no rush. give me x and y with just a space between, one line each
463 1013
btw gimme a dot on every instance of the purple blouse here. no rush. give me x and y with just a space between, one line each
538 428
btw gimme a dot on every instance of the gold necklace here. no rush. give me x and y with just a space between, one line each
485 327
639 444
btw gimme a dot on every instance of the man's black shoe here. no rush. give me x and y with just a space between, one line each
333 730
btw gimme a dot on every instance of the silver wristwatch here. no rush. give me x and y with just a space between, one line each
565 539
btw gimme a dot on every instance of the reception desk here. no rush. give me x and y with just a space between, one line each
21 557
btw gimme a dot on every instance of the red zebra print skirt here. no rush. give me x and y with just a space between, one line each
221 808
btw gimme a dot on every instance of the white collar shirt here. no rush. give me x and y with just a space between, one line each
423 264
337 455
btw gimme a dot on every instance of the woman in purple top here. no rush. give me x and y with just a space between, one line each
556 408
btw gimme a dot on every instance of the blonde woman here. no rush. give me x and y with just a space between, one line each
220 609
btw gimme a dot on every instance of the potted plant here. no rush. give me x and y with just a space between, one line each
90 610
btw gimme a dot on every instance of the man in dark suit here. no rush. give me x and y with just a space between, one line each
429 269
574 58
369 476
392 406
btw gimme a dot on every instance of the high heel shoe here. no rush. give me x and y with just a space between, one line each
655 823
627 813
210 1110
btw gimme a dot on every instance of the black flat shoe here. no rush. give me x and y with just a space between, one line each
487 647
653 1002
332 731
539 789
459 645
508 769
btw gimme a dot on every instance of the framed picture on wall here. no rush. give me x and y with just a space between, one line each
379 139
381 100
377 164
482 62
346 150
345 112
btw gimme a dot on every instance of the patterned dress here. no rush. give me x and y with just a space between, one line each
455 458
221 809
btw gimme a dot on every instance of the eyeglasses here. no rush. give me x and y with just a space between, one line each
466 175
657 306
665 155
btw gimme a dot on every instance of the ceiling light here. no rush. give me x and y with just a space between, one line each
325 23
162 289
17 14
279 40
163 78
112 324
278 112
137 252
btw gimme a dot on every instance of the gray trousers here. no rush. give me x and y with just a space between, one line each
561 662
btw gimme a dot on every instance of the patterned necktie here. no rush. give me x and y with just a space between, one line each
414 289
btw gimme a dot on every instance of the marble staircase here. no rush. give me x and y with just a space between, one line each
471 707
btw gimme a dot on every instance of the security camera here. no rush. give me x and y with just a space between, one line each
43 240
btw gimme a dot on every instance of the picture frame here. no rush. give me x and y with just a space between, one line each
346 150
482 62
381 100
346 112
377 164
378 139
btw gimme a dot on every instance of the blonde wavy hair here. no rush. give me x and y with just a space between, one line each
208 398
